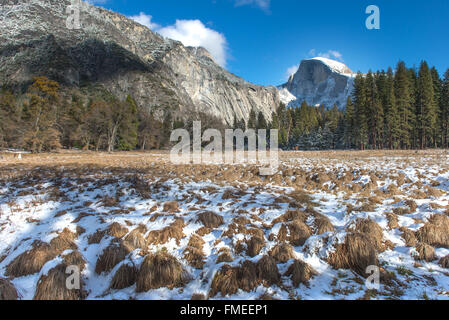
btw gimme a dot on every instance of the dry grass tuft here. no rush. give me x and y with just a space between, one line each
171 206
64 241
7 290
173 231
435 232
444 262
198 297
225 256
393 221
111 256
323 224
96 237
53 286
282 253
409 237
255 245
75 258
194 252
267 270
228 280
372 230
160 270
135 239
125 277
290 216
117 230
300 272
357 253
210 219
30 261
425 252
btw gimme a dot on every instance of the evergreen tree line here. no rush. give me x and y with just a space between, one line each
404 109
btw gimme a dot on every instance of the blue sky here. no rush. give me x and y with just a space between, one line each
262 40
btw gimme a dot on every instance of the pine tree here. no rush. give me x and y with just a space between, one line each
261 121
252 121
349 119
426 107
392 119
359 97
444 111
375 111
404 105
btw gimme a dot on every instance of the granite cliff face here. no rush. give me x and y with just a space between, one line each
124 56
319 81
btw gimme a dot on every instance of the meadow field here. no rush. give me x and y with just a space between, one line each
137 226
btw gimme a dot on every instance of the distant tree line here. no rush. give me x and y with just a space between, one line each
404 109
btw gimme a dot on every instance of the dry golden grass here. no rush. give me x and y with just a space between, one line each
53 286
300 272
125 277
7 290
160 270
357 254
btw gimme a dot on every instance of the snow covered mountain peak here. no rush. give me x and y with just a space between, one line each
336 66
318 81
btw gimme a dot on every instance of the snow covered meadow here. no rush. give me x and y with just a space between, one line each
139 227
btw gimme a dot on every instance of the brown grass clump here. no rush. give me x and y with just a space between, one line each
53 286
425 252
160 270
210 219
412 205
173 231
30 261
282 253
75 258
111 256
64 241
194 252
444 262
255 245
435 232
290 216
7 290
96 237
302 197
125 277
198 297
357 253
409 237
323 224
393 221
225 256
117 230
299 232
228 280
267 270
300 272
171 206
135 239
372 230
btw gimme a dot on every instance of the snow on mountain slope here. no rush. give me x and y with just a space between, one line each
318 81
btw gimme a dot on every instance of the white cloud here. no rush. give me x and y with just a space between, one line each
195 34
262 4
330 54
145 19
291 71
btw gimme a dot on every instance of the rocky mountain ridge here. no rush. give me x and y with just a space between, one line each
125 57
318 81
